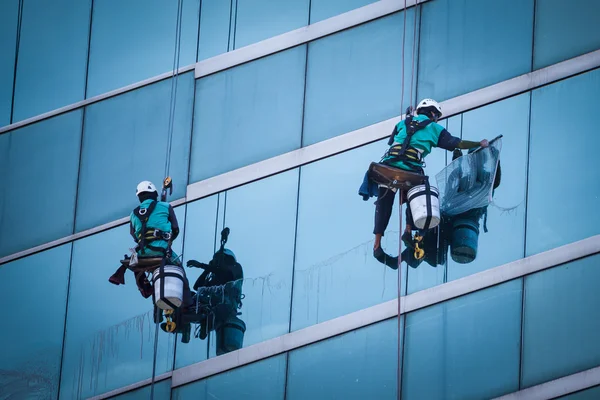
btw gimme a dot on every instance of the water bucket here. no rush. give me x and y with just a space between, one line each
465 235
173 290
232 335
417 201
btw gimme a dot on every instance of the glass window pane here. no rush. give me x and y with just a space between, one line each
362 364
248 113
258 20
53 52
199 245
262 239
562 200
354 77
561 31
323 9
115 345
335 271
162 391
505 240
41 182
134 40
588 394
465 348
125 142
467 44
559 334
9 17
215 19
263 380
30 362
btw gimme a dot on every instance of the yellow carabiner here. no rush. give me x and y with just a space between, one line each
419 252
170 327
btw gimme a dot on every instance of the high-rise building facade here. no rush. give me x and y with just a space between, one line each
267 128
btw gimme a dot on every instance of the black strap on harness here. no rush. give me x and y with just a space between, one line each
144 214
399 152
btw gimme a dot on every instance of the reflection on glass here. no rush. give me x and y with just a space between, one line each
362 364
562 199
214 28
462 42
39 167
560 324
263 380
323 9
52 57
32 333
335 273
465 348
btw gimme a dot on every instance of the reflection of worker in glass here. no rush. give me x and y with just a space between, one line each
411 141
217 299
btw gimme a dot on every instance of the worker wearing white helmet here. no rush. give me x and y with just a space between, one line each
410 142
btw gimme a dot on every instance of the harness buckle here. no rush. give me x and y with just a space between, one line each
143 211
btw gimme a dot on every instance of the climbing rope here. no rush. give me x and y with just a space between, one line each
402 194
168 183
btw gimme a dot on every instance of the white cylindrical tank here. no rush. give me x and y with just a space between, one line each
417 201
173 290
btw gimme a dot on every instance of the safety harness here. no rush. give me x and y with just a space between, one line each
147 234
405 152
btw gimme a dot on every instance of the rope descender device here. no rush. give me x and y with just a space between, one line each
170 324
419 252
167 184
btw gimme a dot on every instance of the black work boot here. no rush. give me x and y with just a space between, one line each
386 259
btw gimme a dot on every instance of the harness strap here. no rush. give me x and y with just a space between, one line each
144 214
411 128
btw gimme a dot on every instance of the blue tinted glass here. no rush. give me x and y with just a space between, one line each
505 240
110 329
354 78
135 40
248 113
559 334
125 142
214 28
588 394
425 275
361 364
466 348
30 362
262 239
335 271
467 44
258 20
323 9
9 17
550 221
40 182
264 379
561 32
199 245
53 54
162 391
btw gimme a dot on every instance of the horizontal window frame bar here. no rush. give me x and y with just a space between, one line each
245 54
348 141
133 386
300 36
558 387
384 311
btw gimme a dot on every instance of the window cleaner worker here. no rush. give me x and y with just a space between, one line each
418 134
153 225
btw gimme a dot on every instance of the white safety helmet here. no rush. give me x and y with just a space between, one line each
427 103
145 187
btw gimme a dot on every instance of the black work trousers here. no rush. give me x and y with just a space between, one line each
383 210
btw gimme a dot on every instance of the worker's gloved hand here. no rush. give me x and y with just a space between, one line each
484 143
